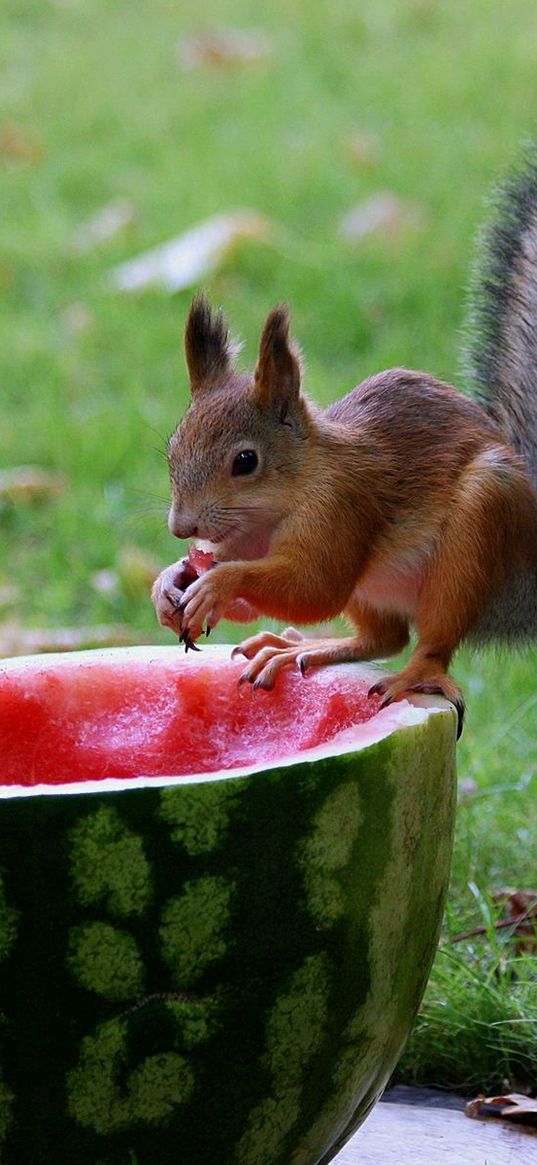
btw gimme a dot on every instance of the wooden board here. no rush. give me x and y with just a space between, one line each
400 1134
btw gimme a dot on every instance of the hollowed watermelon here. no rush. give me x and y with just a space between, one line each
218 908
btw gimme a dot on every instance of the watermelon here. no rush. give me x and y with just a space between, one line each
218 907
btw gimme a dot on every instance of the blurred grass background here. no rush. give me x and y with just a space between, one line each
422 99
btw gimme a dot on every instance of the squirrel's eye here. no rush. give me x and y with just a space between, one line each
245 462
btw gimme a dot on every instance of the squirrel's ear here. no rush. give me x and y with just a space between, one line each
277 374
209 351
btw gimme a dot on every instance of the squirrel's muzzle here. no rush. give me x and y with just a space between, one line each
181 526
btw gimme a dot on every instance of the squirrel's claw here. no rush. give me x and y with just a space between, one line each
200 605
395 688
252 646
456 701
188 641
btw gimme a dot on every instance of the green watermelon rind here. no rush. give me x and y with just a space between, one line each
275 926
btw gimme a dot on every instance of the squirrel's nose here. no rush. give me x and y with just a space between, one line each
180 526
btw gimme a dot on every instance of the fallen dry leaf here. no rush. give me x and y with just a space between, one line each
422 12
7 275
19 146
362 148
76 318
192 256
382 214
224 48
520 908
9 596
137 570
18 640
105 582
513 1106
29 485
103 226
133 574
467 789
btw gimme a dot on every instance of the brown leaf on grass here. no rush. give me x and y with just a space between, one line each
133 574
137 570
76 318
224 48
383 214
18 640
105 582
513 1106
103 226
362 148
30 485
422 12
192 256
467 789
520 909
19 146
7 275
9 596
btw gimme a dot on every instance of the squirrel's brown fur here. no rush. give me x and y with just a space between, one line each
404 504
400 505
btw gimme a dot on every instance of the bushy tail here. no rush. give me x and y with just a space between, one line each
502 349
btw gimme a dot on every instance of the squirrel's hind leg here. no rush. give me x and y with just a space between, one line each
491 516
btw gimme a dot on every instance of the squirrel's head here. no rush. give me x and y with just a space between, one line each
234 457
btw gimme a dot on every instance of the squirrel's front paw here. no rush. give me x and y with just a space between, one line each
169 590
204 601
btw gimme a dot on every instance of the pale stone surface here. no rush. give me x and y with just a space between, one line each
400 1134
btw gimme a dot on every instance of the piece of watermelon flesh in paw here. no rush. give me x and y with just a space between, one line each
200 560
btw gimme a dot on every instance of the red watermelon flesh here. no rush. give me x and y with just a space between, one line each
200 560
154 712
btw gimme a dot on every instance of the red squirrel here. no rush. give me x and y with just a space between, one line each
403 504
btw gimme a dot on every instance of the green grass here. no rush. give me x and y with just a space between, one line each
448 91
478 1028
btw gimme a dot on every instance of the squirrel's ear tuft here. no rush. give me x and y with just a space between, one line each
208 348
277 374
